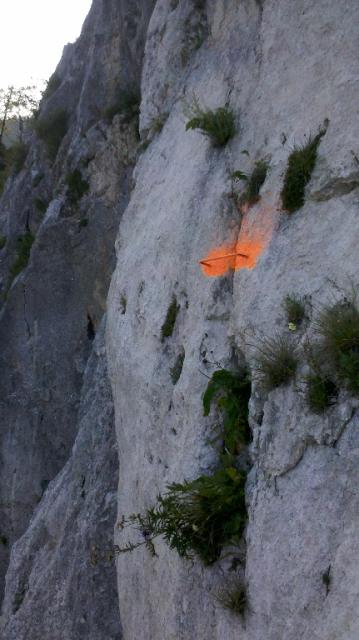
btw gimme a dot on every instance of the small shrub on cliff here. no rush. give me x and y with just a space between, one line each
176 370
126 104
24 244
51 86
76 186
254 182
338 326
301 163
51 130
195 518
231 392
3 240
234 598
295 309
219 125
170 321
277 362
321 392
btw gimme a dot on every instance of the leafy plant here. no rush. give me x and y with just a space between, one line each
83 222
219 125
295 309
176 370
170 321
301 163
76 186
231 391
3 240
234 598
195 518
51 130
254 181
338 326
24 244
276 362
126 103
321 392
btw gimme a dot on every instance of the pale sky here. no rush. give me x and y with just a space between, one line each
33 34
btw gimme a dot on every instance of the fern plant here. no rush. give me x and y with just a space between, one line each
195 518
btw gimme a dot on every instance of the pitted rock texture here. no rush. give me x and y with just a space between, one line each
50 314
285 69
61 581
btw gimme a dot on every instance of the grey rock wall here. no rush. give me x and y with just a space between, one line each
61 583
284 68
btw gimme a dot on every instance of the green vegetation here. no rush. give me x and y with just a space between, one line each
338 327
276 362
176 370
11 160
126 104
76 186
301 163
83 222
52 85
326 579
295 309
123 304
231 392
321 392
3 240
24 244
51 130
254 182
218 125
3 540
196 518
234 598
41 205
170 321
36 181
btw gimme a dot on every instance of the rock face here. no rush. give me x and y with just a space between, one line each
286 70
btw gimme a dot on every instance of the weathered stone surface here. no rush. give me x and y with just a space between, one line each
61 580
285 68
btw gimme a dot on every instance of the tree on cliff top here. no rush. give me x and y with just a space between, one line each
18 103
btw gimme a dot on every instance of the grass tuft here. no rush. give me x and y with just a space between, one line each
231 392
301 163
126 104
176 370
277 362
76 186
338 326
295 309
170 321
219 125
321 392
234 598
254 182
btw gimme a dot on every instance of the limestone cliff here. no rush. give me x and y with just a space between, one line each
287 70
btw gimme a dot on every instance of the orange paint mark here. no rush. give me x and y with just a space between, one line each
254 237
